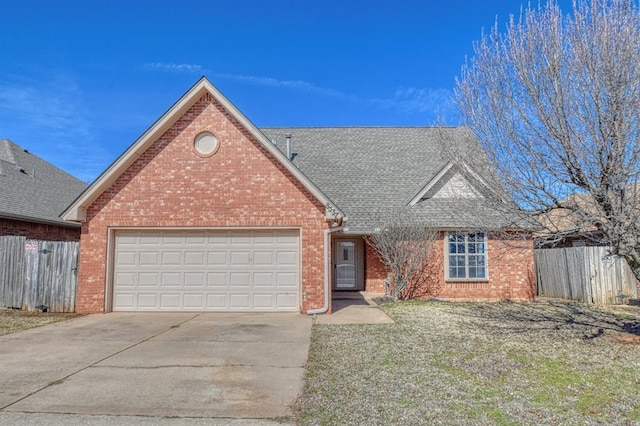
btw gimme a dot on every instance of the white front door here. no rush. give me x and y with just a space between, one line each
345 265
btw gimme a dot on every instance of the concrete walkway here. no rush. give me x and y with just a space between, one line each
354 308
156 368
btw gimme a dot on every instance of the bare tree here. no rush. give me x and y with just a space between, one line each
403 244
555 102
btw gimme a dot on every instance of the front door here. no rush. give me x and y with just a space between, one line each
345 265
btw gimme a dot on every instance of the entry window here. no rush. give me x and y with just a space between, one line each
345 265
466 256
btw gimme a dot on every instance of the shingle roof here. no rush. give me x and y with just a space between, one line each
366 170
32 189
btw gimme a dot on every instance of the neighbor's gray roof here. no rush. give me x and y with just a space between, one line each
366 170
32 189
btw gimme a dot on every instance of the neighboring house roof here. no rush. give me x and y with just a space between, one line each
77 210
32 189
369 170
576 218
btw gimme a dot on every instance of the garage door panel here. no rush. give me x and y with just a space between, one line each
194 258
218 258
131 239
264 279
286 258
239 279
241 239
218 239
194 301
206 270
172 239
287 280
126 258
126 301
263 301
171 258
240 258
195 240
126 279
287 301
194 279
149 258
153 240
148 301
217 279
148 279
170 301
288 238
239 301
261 258
170 279
216 301
264 238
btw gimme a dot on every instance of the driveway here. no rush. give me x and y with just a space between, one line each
189 366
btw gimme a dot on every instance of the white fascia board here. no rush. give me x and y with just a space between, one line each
431 184
440 175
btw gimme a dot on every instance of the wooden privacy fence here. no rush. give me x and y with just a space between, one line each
35 273
586 274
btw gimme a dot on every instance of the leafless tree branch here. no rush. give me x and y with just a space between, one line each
403 244
555 102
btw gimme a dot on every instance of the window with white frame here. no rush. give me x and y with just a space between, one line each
466 256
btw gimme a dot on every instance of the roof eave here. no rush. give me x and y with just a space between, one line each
61 222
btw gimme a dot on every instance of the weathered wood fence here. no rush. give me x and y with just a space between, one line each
35 273
586 274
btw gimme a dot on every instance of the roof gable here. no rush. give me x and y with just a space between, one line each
450 182
77 210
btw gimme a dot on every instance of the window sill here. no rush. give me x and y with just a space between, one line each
466 280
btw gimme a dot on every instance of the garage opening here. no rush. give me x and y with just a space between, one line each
206 270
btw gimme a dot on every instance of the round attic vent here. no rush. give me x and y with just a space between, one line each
206 144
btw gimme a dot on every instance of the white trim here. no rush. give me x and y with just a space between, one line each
437 178
447 278
77 210
111 240
440 175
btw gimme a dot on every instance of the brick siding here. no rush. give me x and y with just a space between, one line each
39 231
510 266
241 185
375 271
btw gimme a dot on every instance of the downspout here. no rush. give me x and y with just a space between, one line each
327 261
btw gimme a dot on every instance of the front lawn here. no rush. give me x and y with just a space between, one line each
12 321
467 363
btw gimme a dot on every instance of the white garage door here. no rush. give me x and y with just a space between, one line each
206 271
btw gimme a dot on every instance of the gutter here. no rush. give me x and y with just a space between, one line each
61 222
327 261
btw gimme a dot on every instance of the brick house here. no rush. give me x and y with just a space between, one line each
206 212
33 194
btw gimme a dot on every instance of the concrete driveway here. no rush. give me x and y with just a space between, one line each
173 366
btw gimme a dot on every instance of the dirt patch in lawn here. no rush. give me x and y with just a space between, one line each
13 320
550 362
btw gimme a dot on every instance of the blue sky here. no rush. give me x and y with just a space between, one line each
81 80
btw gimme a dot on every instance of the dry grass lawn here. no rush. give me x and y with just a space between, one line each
12 320
547 362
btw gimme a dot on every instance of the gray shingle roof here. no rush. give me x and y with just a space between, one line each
365 170
32 189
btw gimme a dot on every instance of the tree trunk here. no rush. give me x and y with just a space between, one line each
633 260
